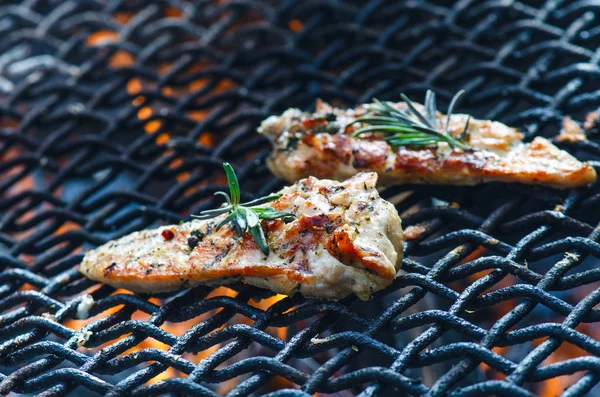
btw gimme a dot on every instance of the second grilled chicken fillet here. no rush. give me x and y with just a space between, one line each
319 144
345 239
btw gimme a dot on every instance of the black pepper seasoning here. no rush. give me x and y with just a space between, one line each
196 236
198 233
193 242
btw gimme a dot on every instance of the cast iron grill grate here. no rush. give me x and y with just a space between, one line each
117 115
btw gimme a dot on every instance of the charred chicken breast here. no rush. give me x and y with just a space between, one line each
343 239
323 144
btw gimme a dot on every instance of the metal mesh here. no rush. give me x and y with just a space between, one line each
117 115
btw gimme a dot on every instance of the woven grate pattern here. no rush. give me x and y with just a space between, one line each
116 116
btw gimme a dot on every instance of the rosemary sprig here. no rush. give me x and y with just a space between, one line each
244 217
410 127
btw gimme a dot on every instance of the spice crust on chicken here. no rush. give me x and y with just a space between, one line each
344 240
323 144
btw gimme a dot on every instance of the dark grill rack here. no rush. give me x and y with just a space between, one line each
116 116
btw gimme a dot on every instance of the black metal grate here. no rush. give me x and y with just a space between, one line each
117 115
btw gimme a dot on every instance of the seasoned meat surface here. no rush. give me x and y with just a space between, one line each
321 145
345 239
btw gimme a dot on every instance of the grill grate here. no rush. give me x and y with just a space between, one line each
117 115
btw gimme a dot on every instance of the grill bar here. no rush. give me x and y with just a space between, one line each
116 116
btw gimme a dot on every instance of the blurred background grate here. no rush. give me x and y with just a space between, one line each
116 116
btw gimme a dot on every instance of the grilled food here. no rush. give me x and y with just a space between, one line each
323 144
344 239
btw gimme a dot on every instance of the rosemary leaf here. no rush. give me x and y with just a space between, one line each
270 213
397 129
409 127
240 219
414 142
259 237
262 200
408 136
244 218
234 186
225 221
453 103
212 213
224 195
251 217
465 132
415 111
431 109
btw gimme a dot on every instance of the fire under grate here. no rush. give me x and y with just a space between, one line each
117 115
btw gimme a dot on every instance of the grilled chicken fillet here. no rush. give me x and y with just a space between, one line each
345 239
319 144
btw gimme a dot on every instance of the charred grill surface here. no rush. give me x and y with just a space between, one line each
116 116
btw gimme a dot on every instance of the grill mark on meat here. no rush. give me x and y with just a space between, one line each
299 251
498 154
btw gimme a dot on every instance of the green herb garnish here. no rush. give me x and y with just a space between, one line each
409 127
244 217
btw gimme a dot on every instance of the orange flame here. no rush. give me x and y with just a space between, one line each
555 386
295 25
